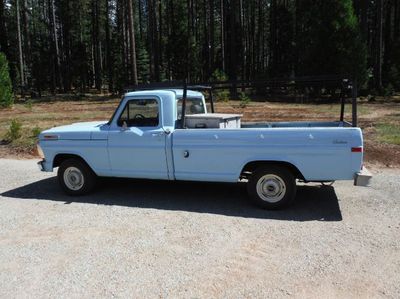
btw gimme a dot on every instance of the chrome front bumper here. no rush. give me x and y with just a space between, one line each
41 165
362 178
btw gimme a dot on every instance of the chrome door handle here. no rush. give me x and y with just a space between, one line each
159 134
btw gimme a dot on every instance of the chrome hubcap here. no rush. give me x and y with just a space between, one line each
73 178
271 188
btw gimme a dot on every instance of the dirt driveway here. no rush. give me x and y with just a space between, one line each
194 240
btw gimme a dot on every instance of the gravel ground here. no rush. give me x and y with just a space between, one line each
172 239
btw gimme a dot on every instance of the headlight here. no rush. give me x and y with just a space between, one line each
40 151
50 137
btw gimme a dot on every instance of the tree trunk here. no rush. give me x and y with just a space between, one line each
243 48
273 38
259 46
21 58
160 45
206 42
233 59
155 43
222 35
388 34
140 21
252 41
212 43
55 41
150 36
379 40
125 42
364 18
131 29
66 45
3 31
96 45
27 42
108 50
396 29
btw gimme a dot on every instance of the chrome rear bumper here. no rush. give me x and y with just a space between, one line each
362 178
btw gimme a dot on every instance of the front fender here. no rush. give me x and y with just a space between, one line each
93 152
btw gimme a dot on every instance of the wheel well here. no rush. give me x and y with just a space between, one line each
59 158
252 166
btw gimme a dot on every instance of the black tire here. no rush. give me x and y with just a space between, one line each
80 170
272 187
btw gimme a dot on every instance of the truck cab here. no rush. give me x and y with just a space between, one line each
140 132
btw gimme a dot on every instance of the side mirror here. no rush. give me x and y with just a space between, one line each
124 126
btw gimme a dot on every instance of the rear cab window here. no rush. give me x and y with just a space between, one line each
193 106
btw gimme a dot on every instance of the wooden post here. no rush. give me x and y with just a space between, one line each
211 100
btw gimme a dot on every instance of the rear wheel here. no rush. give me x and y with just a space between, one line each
272 187
75 177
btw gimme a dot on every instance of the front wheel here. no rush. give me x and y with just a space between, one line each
75 177
272 187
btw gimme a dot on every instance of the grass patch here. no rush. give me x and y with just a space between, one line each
389 133
334 109
21 135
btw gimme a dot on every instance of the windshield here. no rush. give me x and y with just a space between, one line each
193 106
115 111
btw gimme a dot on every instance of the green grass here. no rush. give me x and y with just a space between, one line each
33 117
335 109
389 133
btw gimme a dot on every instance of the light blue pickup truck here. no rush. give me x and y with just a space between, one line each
168 135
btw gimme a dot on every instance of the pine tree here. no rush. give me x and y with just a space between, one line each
131 30
6 96
330 40
143 64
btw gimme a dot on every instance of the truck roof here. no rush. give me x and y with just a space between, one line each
178 92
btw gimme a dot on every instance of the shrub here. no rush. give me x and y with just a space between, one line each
28 104
6 96
14 131
388 90
244 100
36 131
221 95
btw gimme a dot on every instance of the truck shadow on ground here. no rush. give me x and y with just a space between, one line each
312 202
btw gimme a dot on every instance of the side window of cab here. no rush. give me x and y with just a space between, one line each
140 113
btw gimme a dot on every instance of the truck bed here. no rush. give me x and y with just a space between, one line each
320 151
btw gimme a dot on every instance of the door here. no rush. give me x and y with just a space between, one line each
136 141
